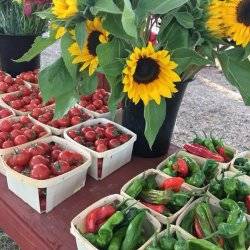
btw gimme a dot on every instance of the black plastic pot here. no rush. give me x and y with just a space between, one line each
133 119
13 47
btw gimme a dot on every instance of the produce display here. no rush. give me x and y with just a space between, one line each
18 131
30 76
233 188
210 147
25 100
243 165
73 117
99 137
97 102
5 112
187 168
117 226
226 226
9 84
165 198
173 241
42 161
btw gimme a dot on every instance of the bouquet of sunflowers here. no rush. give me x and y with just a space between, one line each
113 37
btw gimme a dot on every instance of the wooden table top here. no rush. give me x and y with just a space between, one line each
33 231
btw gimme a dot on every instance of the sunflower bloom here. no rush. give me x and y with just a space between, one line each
64 9
237 19
149 75
215 23
87 56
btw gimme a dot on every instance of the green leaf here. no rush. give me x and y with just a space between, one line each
66 41
185 58
105 6
154 115
40 44
237 71
185 19
128 20
88 84
45 14
55 81
247 52
80 34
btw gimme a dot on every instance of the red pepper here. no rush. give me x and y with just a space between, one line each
157 208
173 183
197 229
247 203
182 167
221 151
97 217
199 150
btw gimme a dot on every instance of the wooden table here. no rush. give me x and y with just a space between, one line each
33 231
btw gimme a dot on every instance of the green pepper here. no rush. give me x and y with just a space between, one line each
169 171
154 244
240 161
220 217
150 182
129 216
216 188
208 143
230 186
199 244
210 168
167 242
179 199
247 234
134 231
156 196
92 238
187 222
105 233
136 187
243 189
192 164
239 242
197 179
181 245
117 239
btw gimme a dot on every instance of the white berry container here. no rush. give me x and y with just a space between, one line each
57 188
200 161
243 178
159 179
77 224
110 160
56 131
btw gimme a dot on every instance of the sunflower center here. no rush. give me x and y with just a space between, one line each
93 42
243 12
147 70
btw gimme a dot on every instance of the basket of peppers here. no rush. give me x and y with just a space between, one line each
114 223
196 172
241 163
175 238
234 186
209 147
165 197
224 224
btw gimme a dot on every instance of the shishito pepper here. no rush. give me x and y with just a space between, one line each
156 196
210 169
117 239
150 182
198 244
133 233
197 179
192 164
179 199
136 187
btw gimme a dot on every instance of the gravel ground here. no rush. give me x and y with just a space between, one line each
210 103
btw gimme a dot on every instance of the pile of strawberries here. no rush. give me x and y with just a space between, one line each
100 137
4 112
42 161
14 133
73 117
29 76
25 100
9 84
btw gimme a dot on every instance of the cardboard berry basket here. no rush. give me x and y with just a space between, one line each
105 163
200 162
159 179
57 189
243 178
11 115
77 224
245 154
57 131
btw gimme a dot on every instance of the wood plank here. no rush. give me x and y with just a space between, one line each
51 231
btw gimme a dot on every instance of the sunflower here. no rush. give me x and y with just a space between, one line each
60 31
149 74
215 22
88 56
237 19
64 9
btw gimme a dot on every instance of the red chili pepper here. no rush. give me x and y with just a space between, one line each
157 208
247 203
173 183
182 167
199 150
97 217
221 151
197 229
